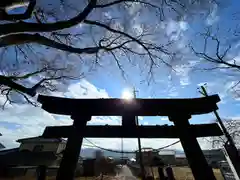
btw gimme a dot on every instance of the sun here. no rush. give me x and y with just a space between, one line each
126 94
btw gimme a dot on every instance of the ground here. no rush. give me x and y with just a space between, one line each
181 173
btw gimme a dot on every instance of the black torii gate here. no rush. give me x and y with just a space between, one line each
179 112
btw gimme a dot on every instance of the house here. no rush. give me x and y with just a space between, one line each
147 155
213 157
39 144
181 160
32 153
168 156
35 151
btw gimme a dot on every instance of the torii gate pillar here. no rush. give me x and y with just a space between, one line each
73 148
196 160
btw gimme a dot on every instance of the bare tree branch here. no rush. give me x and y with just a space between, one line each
111 3
114 31
219 58
36 27
146 46
47 28
16 39
10 81
15 86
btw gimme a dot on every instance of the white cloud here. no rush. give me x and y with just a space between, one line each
212 17
175 29
233 60
138 29
232 88
184 81
133 8
103 120
229 85
182 71
85 89
220 87
24 120
173 92
183 25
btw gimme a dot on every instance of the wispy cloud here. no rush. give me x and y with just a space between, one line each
213 16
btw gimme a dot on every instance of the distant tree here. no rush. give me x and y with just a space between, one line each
233 128
34 35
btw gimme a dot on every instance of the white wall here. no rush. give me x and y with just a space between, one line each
61 147
53 146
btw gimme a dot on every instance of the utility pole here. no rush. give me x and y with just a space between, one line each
229 146
122 148
139 142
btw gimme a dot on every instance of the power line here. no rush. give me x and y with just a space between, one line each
128 152
110 150
164 147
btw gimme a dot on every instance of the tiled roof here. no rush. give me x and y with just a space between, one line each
40 139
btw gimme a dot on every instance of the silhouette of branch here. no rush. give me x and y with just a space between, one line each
8 85
4 80
219 58
7 93
146 46
16 39
12 84
19 27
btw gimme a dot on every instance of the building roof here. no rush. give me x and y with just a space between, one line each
180 156
167 152
2 146
40 139
147 149
6 151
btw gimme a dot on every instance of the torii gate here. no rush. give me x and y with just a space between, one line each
179 112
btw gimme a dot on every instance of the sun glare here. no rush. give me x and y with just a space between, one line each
127 95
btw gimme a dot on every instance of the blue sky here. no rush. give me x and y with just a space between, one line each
22 120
